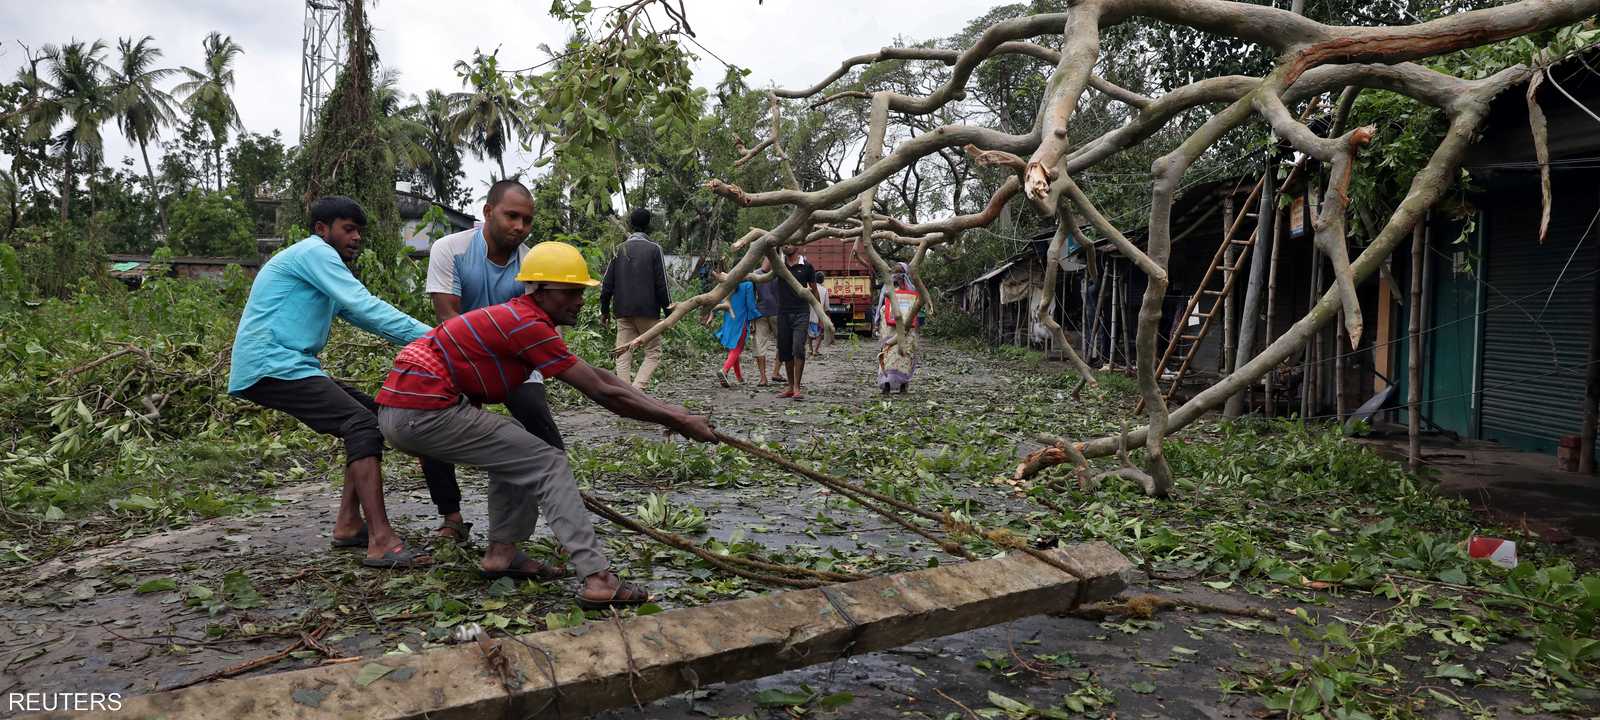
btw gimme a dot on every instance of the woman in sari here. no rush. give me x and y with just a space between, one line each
897 359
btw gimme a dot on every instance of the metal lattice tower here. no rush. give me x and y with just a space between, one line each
321 57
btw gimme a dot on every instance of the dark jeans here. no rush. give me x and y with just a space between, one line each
528 405
326 406
792 330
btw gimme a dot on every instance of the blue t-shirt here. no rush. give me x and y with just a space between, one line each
293 301
459 265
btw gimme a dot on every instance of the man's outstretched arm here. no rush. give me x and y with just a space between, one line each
621 398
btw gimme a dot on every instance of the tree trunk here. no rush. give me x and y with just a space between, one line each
66 182
216 152
1414 371
155 192
501 161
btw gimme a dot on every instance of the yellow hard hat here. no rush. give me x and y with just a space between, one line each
555 262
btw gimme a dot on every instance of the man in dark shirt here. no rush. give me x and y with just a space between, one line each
794 319
763 329
636 281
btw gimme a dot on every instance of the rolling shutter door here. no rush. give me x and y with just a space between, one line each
1535 340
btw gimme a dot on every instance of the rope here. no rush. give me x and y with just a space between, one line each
1002 538
726 563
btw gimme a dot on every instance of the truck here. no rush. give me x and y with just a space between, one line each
848 279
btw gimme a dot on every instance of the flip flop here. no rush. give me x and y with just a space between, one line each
462 529
358 540
545 573
403 558
627 594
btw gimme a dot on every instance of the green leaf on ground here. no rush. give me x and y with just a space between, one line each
156 585
778 697
1459 672
1143 687
241 594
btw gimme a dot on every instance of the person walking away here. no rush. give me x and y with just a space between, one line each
736 323
897 361
283 329
430 405
814 331
764 330
794 313
636 283
473 269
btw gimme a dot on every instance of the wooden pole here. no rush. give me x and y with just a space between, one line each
1414 369
1591 388
1308 375
1228 257
1272 299
1099 309
619 662
1266 213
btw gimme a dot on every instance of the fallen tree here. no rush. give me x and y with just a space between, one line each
1311 59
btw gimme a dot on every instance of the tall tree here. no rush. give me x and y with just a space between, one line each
142 108
488 117
348 154
399 132
72 91
207 93
440 170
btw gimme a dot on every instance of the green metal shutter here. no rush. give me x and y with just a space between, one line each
1535 340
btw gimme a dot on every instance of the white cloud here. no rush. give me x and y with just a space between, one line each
784 42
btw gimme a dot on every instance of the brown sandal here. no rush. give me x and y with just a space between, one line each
543 573
627 594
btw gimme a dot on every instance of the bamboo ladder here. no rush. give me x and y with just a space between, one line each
1230 276
1183 346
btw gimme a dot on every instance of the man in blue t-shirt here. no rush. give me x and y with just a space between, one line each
285 325
473 269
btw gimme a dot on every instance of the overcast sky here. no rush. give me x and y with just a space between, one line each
788 42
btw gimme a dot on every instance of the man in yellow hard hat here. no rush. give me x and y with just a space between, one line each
429 405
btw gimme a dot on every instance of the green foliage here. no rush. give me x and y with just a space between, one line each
615 74
11 280
658 512
949 323
258 165
212 224
56 255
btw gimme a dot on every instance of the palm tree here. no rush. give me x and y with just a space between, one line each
398 132
488 118
443 163
206 94
142 108
72 90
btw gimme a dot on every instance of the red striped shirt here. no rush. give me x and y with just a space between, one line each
482 354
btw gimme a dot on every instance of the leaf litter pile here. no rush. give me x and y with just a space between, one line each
1356 597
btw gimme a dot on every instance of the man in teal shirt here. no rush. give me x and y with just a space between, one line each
285 325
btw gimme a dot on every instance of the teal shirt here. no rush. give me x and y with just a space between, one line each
292 305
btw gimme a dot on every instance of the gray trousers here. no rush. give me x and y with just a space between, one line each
526 474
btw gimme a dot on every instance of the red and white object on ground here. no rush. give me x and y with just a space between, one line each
1495 550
